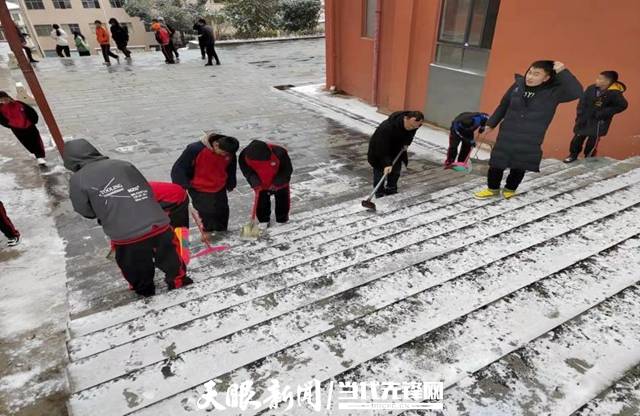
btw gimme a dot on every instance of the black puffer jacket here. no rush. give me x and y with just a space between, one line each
595 108
524 123
119 33
387 141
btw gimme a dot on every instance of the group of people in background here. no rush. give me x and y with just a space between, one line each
165 35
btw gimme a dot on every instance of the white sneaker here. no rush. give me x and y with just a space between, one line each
263 226
41 161
14 241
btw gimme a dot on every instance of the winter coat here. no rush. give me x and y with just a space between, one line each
388 140
163 37
207 36
102 35
266 170
120 34
599 107
524 123
17 115
81 44
203 170
465 124
114 192
60 37
169 195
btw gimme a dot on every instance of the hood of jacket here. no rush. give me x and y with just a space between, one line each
78 153
617 86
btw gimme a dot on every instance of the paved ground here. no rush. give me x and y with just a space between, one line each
146 112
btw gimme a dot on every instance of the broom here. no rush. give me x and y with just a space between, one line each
203 237
251 230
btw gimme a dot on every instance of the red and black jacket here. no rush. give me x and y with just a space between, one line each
201 169
17 115
270 169
169 195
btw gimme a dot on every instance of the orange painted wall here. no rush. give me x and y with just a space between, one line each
588 37
353 52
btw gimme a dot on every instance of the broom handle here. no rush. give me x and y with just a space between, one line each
256 193
384 176
196 218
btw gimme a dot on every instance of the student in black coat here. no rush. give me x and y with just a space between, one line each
392 136
525 111
120 36
596 108
207 40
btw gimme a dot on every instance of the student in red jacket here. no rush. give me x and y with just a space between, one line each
173 199
268 170
7 228
21 119
207 169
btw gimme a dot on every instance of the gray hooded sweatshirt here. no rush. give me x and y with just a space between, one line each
114 192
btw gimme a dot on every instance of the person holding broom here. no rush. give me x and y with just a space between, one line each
268 170
207 169
394 135
116 194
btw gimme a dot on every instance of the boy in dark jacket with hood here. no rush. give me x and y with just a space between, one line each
526 110
116 193
21 118
207 169
120 36
596 108
392 136
268 170
207 41
461 134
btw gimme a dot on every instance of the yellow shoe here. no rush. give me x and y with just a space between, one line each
486 194
508 193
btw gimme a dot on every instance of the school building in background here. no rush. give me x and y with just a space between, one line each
448 56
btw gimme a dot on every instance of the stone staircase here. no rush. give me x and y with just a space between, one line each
525 306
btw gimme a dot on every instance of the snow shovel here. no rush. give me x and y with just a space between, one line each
367 203
203 237
251 230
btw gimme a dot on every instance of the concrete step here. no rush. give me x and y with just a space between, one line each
531 227
334 351
92 323
291 270
469 344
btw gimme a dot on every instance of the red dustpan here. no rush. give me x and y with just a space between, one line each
209 248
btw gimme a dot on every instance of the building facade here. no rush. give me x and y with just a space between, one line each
79 15
448 56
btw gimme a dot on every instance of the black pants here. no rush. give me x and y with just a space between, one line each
391 186
179 214
6 226
61 49
106 53
31 140
138 262
123 48
84 53
203 48
166 51
27 51
494 178
283 205
590 149
452 153
211 53
172 49
213 208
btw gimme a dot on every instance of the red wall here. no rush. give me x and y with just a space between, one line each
588 37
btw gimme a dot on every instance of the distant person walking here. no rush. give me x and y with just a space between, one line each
102 37
172 45
21 118
81 44
163 37
62 44
120 36
208 40
25 45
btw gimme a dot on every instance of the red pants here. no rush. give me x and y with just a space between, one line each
6 226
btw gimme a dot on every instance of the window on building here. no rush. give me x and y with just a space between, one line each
62 4
43 30
466 33
91 4
71 27
369 24
117 4
34 4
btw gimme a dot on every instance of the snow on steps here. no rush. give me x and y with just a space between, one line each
309 318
